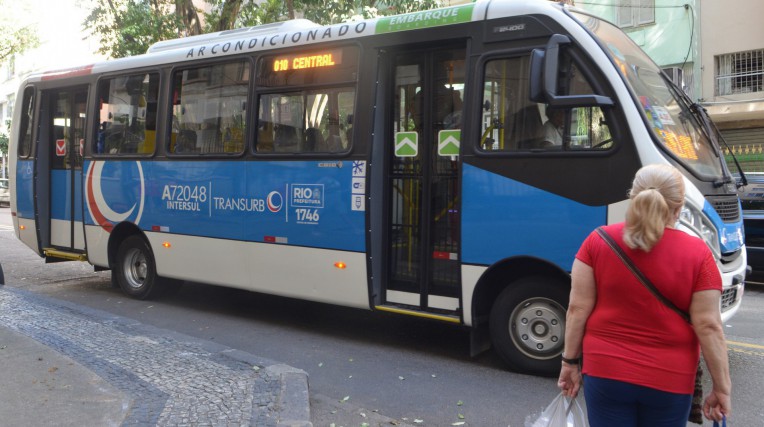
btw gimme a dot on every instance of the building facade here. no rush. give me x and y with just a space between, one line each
732 63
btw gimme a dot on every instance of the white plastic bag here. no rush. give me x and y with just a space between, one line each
562 412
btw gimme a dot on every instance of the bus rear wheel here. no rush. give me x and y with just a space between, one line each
135 269
527 324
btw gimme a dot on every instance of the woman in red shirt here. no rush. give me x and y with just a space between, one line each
641 356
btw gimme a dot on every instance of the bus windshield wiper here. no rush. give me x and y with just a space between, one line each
712 133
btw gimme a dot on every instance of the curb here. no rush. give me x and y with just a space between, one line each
293 402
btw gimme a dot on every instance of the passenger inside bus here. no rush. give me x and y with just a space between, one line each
185 142
450 108
285 140
313 139
526 131
553 127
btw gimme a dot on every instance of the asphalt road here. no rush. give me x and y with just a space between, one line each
364 367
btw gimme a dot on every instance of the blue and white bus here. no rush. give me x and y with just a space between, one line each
400 164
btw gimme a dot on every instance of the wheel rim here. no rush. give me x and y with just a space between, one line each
135 268
537 328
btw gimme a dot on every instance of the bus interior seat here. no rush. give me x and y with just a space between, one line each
285 139
332 144
314 141
186 142
527 131
265 137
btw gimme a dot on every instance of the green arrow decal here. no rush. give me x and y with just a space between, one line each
406 144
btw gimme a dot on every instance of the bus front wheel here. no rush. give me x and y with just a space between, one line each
527 324
135 270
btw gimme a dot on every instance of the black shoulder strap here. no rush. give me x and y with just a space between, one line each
641 277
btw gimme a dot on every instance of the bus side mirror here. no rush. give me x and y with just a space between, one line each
545 66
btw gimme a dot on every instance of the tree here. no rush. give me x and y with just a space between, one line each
229 14
129 27
16 33
3 143
319 11
189 16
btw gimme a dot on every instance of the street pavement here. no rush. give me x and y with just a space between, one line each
64 364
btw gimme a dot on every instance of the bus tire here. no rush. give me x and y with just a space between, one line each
135 270
527 324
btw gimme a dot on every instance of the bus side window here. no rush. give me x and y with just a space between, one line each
305 122
305 105
127 114
25 129
209 105
513 123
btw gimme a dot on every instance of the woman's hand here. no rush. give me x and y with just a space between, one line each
583 296
717 405
570 380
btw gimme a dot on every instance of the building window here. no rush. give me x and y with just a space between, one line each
633 13
741 72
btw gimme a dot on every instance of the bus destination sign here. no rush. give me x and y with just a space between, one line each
303 62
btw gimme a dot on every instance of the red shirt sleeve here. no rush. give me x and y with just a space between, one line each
584 253
708 276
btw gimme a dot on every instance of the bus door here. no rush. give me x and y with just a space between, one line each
423 267
64 115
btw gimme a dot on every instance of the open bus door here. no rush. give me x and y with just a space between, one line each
62 139
422 182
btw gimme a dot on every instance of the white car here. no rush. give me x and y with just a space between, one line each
5 192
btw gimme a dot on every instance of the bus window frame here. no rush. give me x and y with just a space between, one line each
584 66
32 120
260 91
303 90
248 116
96 121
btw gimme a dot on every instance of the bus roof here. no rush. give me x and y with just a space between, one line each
302 32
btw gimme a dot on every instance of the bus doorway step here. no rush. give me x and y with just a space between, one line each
57 255
424 314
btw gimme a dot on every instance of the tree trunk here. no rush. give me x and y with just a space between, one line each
187 13
115 13
228 14
290 8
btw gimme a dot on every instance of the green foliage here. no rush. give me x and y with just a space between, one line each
4 143
16 33
249 14
4 139
129 27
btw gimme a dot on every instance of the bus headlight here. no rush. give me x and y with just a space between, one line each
692 218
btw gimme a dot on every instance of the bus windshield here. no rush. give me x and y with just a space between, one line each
669 115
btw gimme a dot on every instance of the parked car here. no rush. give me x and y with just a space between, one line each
5 192
752 202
